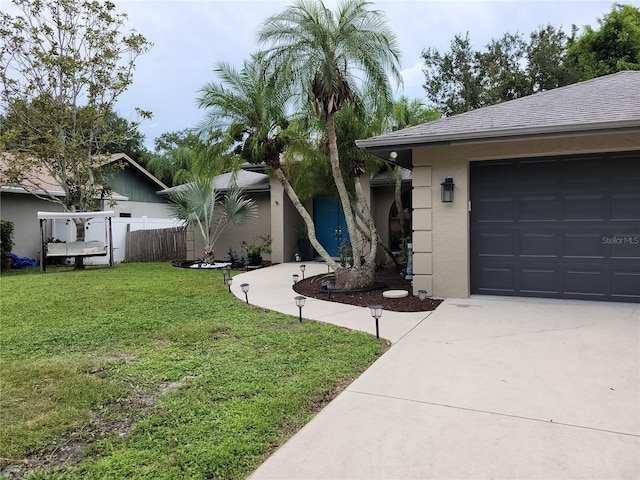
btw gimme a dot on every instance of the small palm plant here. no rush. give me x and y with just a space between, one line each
200 206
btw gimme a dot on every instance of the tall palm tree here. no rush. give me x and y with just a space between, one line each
326 55
246 114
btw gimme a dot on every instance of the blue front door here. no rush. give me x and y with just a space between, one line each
331 226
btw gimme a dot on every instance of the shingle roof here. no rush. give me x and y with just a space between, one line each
612 101
246 180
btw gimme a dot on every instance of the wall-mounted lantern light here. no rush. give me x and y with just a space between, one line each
302 268
447 190
245 289
422 294
376 312
300 303
229 281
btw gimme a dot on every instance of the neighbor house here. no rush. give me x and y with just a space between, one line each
134 194
546 194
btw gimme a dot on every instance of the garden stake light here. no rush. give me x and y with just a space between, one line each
330 287
226 270
295 278
245 289
376 312
229 281
300 303
302 267
422 294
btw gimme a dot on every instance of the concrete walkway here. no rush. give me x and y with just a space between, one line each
484 387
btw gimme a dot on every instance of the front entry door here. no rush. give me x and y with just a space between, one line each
331 226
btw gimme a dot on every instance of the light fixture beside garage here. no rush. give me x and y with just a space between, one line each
447 190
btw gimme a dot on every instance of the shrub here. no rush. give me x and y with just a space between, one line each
6 238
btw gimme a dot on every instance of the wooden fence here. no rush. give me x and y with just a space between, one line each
156 245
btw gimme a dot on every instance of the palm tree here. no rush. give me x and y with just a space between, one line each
325 54
200 206
246 115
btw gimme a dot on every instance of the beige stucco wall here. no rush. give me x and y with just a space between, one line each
441 231
233 235
286 224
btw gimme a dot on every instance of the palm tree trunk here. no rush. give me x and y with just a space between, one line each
341 186
311 230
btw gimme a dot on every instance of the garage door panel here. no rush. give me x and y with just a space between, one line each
585 207
584 282
497 244
624 246
581 169
583 245
538 208
624 168
496 210
537 172
538 281
561 227
495 174
540 245
625 207
625 285
497 280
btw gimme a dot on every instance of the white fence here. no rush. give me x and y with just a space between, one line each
97 230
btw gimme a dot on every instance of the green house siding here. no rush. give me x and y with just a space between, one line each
135 186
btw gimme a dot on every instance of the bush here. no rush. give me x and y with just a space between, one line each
6 238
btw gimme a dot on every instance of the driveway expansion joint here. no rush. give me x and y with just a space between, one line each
486 412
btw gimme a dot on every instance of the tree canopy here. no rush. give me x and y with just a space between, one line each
63 65
511 66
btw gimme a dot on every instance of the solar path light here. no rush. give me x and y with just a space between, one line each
422 294
376 312
302 268
229 281
295 278
245 290
300 303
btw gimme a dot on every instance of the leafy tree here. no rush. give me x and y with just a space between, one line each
63 64
453 80
324 54
201 207
615 46
174 158
126 138
465 79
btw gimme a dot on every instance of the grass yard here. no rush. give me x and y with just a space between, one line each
151 371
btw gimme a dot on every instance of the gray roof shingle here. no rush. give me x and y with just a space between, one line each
612 101
246 180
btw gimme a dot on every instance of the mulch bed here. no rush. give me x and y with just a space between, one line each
391 279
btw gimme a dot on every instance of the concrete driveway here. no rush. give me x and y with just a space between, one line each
487 387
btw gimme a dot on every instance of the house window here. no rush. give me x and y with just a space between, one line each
125 215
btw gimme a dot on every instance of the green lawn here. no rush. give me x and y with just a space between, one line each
151 371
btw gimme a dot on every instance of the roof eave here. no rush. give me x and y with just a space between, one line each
383 147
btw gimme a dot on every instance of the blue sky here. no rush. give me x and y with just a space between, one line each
191 36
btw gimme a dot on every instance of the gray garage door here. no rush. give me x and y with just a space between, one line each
561 227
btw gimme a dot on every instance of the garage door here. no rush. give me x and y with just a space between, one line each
562 227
